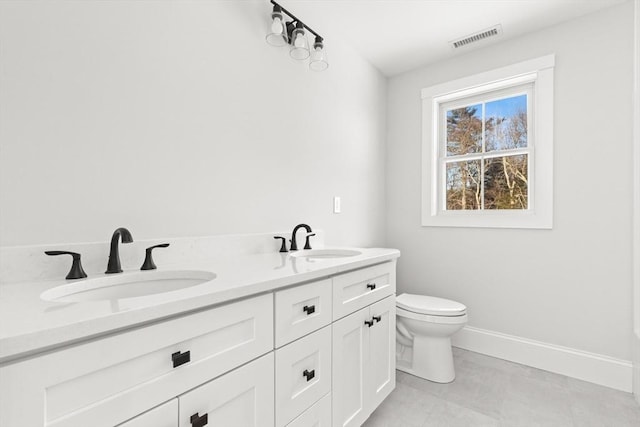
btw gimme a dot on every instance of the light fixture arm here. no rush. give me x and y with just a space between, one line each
293 17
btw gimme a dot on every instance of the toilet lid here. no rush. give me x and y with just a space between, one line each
430 305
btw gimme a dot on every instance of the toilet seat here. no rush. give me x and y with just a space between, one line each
449 320
430 306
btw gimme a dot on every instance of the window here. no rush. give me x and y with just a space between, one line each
488 149
484 151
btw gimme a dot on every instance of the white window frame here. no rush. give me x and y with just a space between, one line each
539 73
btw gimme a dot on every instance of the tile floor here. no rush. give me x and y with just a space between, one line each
492 392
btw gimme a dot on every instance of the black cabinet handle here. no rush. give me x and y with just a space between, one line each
309 309
369 323
309 375
371 286
199 421
180 358
377 318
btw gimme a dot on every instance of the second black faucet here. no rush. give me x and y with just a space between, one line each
307 245
114 255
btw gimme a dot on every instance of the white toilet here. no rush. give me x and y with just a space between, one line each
424 329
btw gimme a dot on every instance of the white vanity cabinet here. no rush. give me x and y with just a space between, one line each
319 354
363 362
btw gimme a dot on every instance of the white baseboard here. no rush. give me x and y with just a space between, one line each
595 368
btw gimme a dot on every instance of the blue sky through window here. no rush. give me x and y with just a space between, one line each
506 107
504 126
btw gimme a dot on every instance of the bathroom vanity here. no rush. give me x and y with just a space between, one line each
282 340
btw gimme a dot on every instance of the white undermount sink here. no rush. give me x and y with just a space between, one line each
325 253
127 285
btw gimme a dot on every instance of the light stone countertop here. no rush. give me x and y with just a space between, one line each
29 325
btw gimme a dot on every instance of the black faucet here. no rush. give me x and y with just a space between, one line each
294 245
114 255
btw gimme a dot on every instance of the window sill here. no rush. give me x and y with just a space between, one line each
489 219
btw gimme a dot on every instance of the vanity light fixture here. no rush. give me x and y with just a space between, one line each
277 35
294 33
318 61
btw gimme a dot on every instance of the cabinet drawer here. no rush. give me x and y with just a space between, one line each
303 374
107 381
319 415
360 288
241 398
165 415
302 310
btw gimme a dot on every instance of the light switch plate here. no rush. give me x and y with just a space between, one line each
336 205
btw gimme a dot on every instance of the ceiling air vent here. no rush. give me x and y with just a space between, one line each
476 37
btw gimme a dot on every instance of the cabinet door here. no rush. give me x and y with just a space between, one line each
381 377
165 415
241 398
350 359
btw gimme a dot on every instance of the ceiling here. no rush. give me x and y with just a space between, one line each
401 35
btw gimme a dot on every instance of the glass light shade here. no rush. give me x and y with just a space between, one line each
299 45
318 61
277 35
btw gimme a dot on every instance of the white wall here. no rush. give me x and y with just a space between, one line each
175 118
570 286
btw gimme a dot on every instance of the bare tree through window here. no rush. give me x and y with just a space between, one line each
485 167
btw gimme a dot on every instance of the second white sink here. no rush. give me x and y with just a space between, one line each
325 253
127 285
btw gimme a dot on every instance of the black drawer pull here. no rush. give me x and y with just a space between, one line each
371 286
199 421
369 323
377 318
309 309
309 375
180 358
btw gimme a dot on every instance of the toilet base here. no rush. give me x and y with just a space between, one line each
431 358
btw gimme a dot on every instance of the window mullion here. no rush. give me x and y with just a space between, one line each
463 158
507 153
